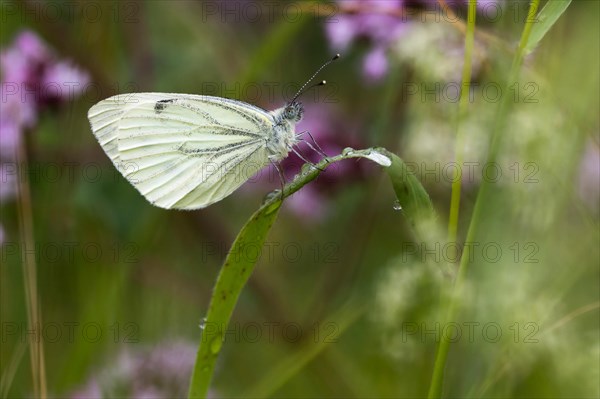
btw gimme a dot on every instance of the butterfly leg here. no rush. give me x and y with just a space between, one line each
306 160
281 175
325 156
318 149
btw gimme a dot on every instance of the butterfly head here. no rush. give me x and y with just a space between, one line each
293 111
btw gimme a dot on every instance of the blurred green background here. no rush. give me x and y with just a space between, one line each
341 303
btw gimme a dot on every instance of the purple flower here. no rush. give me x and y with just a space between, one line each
32 47
62 81
377 20
382 22
28 67
375 64
488 4
9 139
159 372
31 74
91 390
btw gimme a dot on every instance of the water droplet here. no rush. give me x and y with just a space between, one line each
306 168
215 345
397 206
348 151
203 323
270 196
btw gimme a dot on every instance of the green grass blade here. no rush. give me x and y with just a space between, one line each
237 269
544 21
232 278
412 197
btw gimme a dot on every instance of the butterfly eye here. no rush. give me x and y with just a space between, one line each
290 113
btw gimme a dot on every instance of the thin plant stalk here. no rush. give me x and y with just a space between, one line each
34 317
459 126
435 389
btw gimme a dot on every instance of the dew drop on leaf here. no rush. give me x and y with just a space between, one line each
306 168
271 195
215 345
397 206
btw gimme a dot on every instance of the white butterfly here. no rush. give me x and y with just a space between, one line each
187 151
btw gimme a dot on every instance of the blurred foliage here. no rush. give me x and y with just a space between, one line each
152 279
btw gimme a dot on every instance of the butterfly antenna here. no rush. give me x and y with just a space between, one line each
299 93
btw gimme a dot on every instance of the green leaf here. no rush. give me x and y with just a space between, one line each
544 21
237 268
412 197
232 278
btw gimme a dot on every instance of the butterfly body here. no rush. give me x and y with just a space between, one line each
283 137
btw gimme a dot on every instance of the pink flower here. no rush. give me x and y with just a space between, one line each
90 391
32 47
373 21
375 64
159 372
9 139
28 66
382 22
63 81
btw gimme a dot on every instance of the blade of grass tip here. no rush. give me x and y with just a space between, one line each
237 268
34 318
545 20
412 197
291 366
435 389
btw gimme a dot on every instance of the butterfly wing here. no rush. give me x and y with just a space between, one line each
182 151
